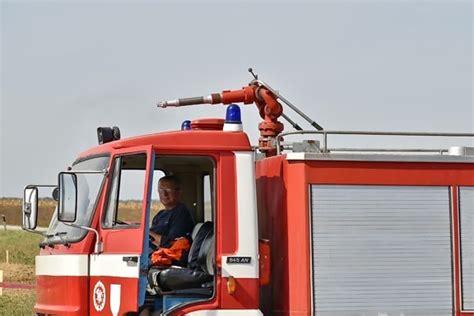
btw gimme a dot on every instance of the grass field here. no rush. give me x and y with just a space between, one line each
17 302
22 248
21 245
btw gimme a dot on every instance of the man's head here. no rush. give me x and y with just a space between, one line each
169 190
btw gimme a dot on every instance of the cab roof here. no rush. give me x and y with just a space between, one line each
179 141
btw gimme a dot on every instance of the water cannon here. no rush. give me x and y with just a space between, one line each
269 108
267 101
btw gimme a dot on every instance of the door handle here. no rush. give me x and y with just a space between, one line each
130 259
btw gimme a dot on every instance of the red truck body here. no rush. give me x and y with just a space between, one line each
306 231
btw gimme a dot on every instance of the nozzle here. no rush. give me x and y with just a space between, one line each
164 104
209 99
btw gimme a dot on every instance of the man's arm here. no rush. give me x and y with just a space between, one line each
156 238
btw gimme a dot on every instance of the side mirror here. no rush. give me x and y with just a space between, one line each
67 209
30 207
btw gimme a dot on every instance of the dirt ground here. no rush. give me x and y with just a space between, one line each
18 273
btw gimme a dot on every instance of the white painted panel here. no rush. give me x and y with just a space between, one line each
227 312
381 250
114 266
247 219
62 265
467 246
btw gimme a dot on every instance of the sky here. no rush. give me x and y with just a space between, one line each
69 67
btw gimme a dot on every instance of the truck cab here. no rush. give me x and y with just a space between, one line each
95 258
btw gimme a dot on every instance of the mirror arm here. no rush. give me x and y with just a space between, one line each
42 233
99 247
104 171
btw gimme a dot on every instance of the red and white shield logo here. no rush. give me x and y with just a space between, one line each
99 296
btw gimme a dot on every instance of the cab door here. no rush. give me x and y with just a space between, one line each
118 274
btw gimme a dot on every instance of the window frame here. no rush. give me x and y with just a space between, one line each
110 189
214 159
53 224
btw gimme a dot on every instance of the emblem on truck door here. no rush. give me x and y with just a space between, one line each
99 296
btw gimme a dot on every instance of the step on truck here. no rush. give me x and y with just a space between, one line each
282 228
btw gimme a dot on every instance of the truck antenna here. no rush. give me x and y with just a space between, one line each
254 75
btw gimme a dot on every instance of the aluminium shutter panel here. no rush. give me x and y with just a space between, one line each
381 250
466 209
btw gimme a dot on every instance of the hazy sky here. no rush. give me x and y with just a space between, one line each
359 65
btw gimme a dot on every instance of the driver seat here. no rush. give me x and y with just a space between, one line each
196 281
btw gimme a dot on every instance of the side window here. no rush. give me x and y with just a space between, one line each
125 202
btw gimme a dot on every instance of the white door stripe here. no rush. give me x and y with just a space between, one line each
62 265
115 265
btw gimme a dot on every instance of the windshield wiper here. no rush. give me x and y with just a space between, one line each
63 242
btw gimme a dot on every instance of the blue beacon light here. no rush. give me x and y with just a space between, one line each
186 125
233 121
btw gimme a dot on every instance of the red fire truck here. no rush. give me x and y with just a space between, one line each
286 228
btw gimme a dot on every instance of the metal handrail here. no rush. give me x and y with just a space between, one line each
400 150
391 150
325 134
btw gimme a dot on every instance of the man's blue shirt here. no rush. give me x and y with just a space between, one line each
173 223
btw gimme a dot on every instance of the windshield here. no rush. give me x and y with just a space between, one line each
88 190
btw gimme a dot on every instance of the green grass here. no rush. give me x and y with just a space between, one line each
22 246
17 302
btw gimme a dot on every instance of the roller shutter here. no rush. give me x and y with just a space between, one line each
381 251
467 246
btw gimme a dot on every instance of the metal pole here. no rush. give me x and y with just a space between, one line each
295 125
293 107
325 147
